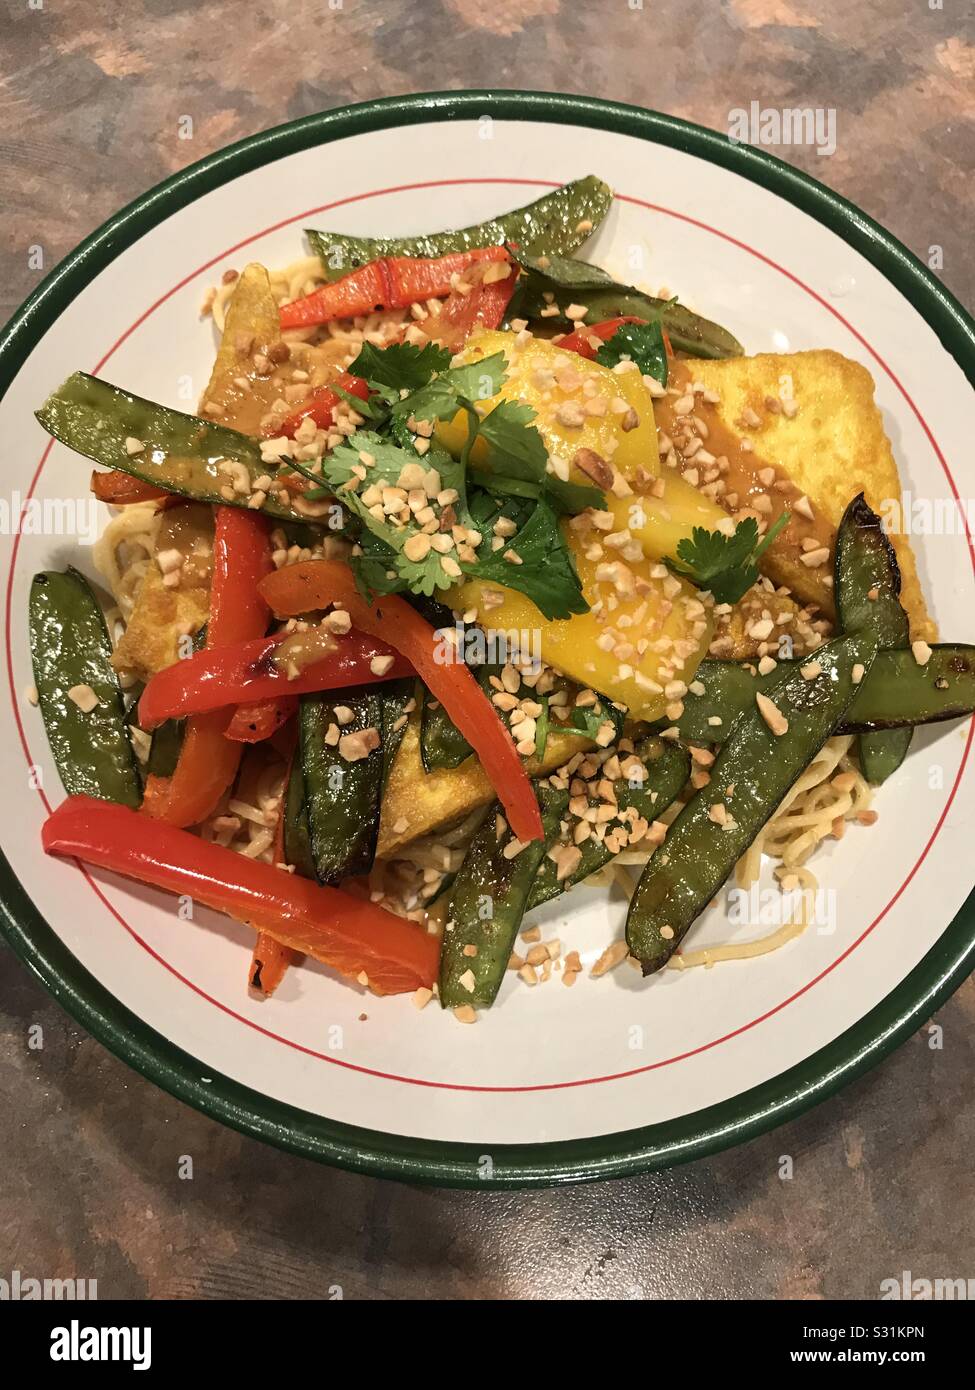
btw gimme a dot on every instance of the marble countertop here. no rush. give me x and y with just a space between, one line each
882 1173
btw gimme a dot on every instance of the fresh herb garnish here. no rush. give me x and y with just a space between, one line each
546 573
400 366
726 565
399 549
642 343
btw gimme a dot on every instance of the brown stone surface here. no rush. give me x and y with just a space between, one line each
89 105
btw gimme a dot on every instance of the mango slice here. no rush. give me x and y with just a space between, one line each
579 405
642 640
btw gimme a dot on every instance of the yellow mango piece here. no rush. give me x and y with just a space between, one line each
645 634
565 391
660 523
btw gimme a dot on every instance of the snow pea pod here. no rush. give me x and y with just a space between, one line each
768 747
668 767
181 453
565 281
342 796
714 829
70 647
896 693
487 905
297 839
558 223
870 568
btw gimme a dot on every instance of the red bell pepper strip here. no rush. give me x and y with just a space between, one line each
320 405
350 934
482 307
578 341
208 761
270 960
394 282
246 673
120 489
304 588
261 719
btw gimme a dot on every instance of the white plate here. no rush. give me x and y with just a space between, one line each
783 264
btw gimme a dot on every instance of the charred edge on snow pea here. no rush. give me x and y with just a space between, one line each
487 905
394 717
70 646
873 570
668 767
297 837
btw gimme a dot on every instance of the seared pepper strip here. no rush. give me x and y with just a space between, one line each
120 489
487 904
208 761
579 341
350 934
304 588
260 719
247 673
320 405
392 282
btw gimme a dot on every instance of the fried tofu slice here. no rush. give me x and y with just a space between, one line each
417 802
240 395
162 613
833 447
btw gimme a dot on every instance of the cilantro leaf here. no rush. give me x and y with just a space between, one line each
344 466
400 366
725 565
441 398
517 456
546 575
643 343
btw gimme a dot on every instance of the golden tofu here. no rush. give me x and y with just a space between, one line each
832 448
421 802
163 614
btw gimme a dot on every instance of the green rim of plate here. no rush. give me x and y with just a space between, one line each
637 1150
